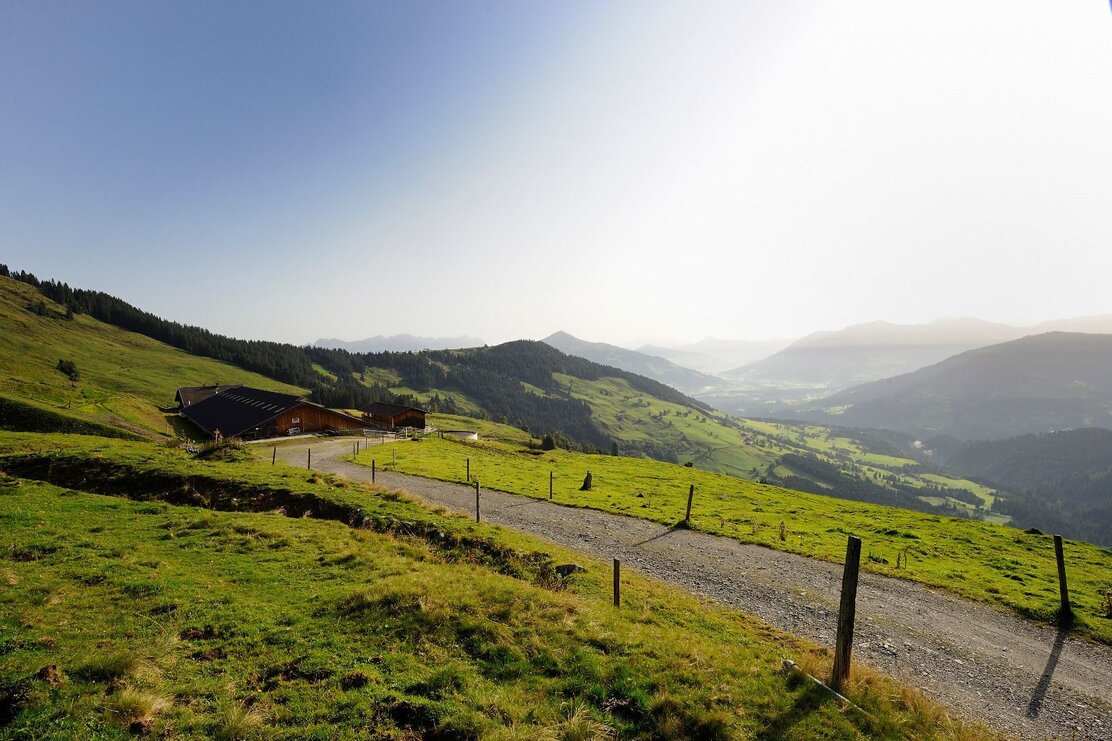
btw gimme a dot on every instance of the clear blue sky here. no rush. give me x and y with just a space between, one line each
625 171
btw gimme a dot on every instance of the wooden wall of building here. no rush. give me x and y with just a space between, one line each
311 418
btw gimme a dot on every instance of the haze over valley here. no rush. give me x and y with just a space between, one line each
485 371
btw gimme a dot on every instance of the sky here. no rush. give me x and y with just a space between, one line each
625 171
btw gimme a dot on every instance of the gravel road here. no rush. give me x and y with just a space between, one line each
1021 677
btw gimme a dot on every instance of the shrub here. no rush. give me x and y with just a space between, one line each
69 369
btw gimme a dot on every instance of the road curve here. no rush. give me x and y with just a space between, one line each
1022 677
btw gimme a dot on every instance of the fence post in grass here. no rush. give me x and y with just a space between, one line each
468 470
550 475
394 457
274 455
690 496
372 470
1062 588
476 501
846 613
617 583
309 459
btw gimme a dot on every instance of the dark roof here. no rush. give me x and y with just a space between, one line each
188 395
237 409
382 409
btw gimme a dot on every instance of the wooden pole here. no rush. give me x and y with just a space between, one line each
394 457
1062 588
468 470
476 501
617 583
846 613
309 459
274 455
372 470
550 475
690 495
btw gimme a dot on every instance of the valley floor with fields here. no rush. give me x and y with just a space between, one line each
1019 676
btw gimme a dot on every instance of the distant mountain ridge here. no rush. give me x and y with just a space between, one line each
650 366
714 356
1038 383
398 343
871 351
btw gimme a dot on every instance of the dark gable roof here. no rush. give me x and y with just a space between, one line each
188 395
382 409
238 409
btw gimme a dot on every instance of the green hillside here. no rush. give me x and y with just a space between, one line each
125 380
982 561
1045 382
353 613
126 383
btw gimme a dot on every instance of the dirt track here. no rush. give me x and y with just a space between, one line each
1021 677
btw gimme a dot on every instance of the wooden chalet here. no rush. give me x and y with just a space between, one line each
252 414
391 416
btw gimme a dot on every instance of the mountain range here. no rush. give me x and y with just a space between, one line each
398 343
652 366
1038 383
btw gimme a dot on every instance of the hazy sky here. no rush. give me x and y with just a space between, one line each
623 171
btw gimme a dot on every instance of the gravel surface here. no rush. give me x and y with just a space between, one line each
1016 675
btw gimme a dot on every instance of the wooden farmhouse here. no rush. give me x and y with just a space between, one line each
391 416
251 414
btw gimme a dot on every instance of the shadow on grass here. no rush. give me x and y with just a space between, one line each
807 701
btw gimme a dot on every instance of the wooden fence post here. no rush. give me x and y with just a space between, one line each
846 613
476 501
1062 588
690 495
550 475
309 459
468 470
372 470
274 455
617 583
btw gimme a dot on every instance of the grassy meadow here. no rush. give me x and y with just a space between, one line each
124 378
286 604
983 561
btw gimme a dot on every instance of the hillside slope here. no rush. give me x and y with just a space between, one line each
1045 382
651 366
124 379
1060 481
529 384
371 618
869 352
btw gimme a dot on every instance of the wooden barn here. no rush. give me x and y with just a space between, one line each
391 416
252 414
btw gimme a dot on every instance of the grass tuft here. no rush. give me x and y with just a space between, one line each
110 667
131 705
237 722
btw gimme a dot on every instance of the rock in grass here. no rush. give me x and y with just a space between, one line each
567 569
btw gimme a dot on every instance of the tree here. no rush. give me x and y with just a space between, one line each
614 447
69 369
548 443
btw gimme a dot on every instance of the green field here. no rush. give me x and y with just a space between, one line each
713 441
124 378
983 561
353 613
